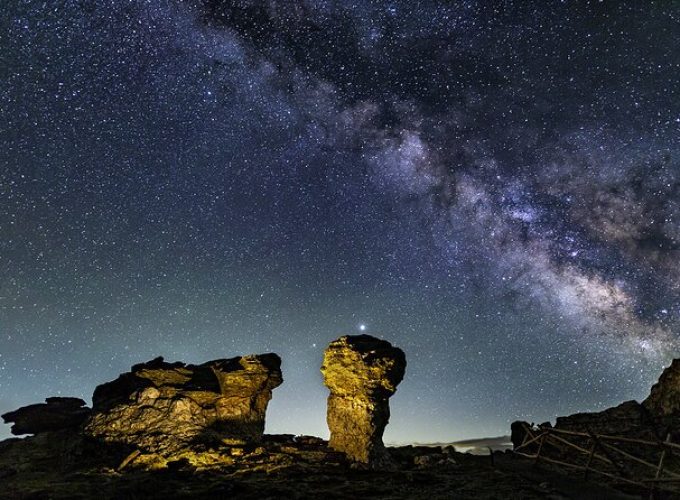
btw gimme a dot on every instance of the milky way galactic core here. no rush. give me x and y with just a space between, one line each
494 187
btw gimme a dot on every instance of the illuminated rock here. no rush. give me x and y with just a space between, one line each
161 406
362 372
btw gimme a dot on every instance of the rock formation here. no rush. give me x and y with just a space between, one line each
627 419
160 406
53 415
664 398
362 372
651 420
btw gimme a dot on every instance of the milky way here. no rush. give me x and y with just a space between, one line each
494 187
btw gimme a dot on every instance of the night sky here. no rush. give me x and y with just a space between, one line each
494 187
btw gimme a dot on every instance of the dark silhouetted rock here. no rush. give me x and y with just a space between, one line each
652 419
664 398
518 432
627 419
161 406
53 415
362 372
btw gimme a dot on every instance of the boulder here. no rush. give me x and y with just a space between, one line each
54 415
161 407
362 372
518 432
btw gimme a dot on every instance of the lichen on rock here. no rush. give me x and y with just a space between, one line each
362 372
161 407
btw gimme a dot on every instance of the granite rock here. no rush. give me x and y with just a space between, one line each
161 407
362 372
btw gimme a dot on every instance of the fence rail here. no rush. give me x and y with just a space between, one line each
603 453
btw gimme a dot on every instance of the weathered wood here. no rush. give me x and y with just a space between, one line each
661 459
581 449
657 444
527 433
605 437
654 486
129 459
603 473
637 459
590 459
540 446
533 440
572 433
622 471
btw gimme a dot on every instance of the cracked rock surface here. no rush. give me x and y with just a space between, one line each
362 372
160 406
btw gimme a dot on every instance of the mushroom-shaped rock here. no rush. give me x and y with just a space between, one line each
54 415
160 406
362 372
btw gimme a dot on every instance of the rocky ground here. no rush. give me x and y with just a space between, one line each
176 430
63 465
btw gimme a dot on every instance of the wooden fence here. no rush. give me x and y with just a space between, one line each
603 455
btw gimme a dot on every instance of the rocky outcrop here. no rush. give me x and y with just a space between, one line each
362 372
627 419
54 415
518 432
160 406
652 420
279 467
664 398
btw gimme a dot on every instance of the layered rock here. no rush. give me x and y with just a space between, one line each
54 415
160 406
362 372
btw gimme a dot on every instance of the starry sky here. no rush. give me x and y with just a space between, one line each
492 186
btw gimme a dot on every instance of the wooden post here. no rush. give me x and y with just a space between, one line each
612 459
540 447
590 459
527 433
524 440
128 460
659 469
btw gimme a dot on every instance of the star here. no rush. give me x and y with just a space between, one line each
180 180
